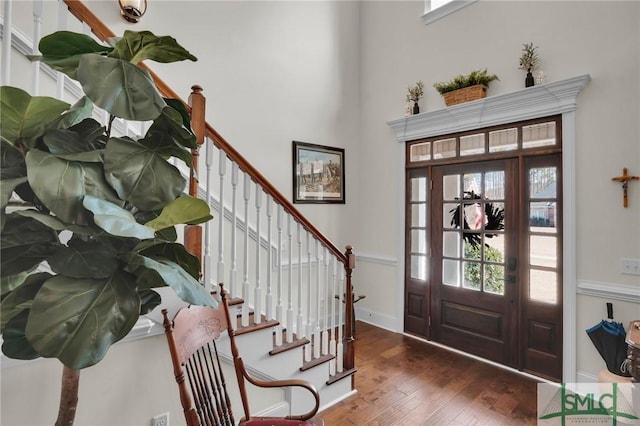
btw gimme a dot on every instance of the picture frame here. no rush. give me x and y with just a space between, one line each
318 174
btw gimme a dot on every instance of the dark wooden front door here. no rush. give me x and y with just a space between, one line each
493 281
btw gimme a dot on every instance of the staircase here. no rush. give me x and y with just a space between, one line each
290 285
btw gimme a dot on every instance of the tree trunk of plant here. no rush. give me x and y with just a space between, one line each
68 397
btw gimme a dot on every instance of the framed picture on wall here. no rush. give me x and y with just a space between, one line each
318 173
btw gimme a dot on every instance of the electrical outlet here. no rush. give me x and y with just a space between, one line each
160 420
630 266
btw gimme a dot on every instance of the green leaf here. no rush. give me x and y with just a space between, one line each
149 300
167 137
85 259
138 46
62 50
15 343
174 252
77 320
20 298
11 163
7 186
183 210
185 286
180 107
116 220
141 176
25 243
56 224
79 112
120 88
61 185
24 118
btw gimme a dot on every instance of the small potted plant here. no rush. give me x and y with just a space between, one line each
414 94
464 88
529 62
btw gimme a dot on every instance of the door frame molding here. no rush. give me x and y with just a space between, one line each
534 102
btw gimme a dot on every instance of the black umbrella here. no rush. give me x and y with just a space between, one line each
609 339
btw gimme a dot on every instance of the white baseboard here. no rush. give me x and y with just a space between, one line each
335 401
380 320
279 410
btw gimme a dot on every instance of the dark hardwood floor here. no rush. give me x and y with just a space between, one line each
404 381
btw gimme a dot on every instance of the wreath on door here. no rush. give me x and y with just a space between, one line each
491 219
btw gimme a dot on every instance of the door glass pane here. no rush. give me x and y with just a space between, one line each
503 140
472 144
543 217
494 220
472 275
494 248
420 152
418 215
451 187
418 188
450 215
543 285
451 244
444 148
472 249
451 272
473 184
418 241
543 251
494 185
494 279
542 182
542 134
419 267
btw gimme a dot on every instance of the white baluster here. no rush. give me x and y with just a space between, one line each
257 297
209 147
341 310
332 329
6 43
310 325
245 281
233 272
222 170
37 34
300 319
268 312
279 316
325 303
316 334
289 283
62 25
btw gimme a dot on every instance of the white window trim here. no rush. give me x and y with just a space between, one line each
444 10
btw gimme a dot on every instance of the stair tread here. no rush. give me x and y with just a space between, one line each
288 346
316 361
255 327
340 376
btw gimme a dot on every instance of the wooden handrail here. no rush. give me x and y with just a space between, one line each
104 33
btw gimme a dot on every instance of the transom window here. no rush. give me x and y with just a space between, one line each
436 9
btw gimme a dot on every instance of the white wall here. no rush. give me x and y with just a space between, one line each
574 38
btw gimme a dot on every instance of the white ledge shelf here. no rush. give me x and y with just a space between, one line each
533 102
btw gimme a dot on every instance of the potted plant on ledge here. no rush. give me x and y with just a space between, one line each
529 62
464 88
99 209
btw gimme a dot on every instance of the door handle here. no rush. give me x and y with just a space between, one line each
511 279
512 263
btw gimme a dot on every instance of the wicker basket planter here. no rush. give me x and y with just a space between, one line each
465 94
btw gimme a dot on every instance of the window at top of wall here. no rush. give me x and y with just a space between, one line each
436 9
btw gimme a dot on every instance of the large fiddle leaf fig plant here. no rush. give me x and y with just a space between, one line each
98 233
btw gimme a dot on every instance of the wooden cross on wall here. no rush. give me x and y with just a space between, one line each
625 178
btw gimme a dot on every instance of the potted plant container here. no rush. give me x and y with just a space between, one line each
465 88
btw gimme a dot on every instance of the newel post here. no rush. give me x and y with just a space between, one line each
349 345
197 101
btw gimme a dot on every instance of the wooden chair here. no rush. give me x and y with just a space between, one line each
197 368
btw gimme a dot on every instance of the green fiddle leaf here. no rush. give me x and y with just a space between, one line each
116 220
170 273
56 224
174 252
136 46
140 176
183 210
11 163
85 259
61 185
180 107
24 117
149 300
167 137
7 186
120 88
62 51
21 297
15 343
25 244
77 319
79 112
